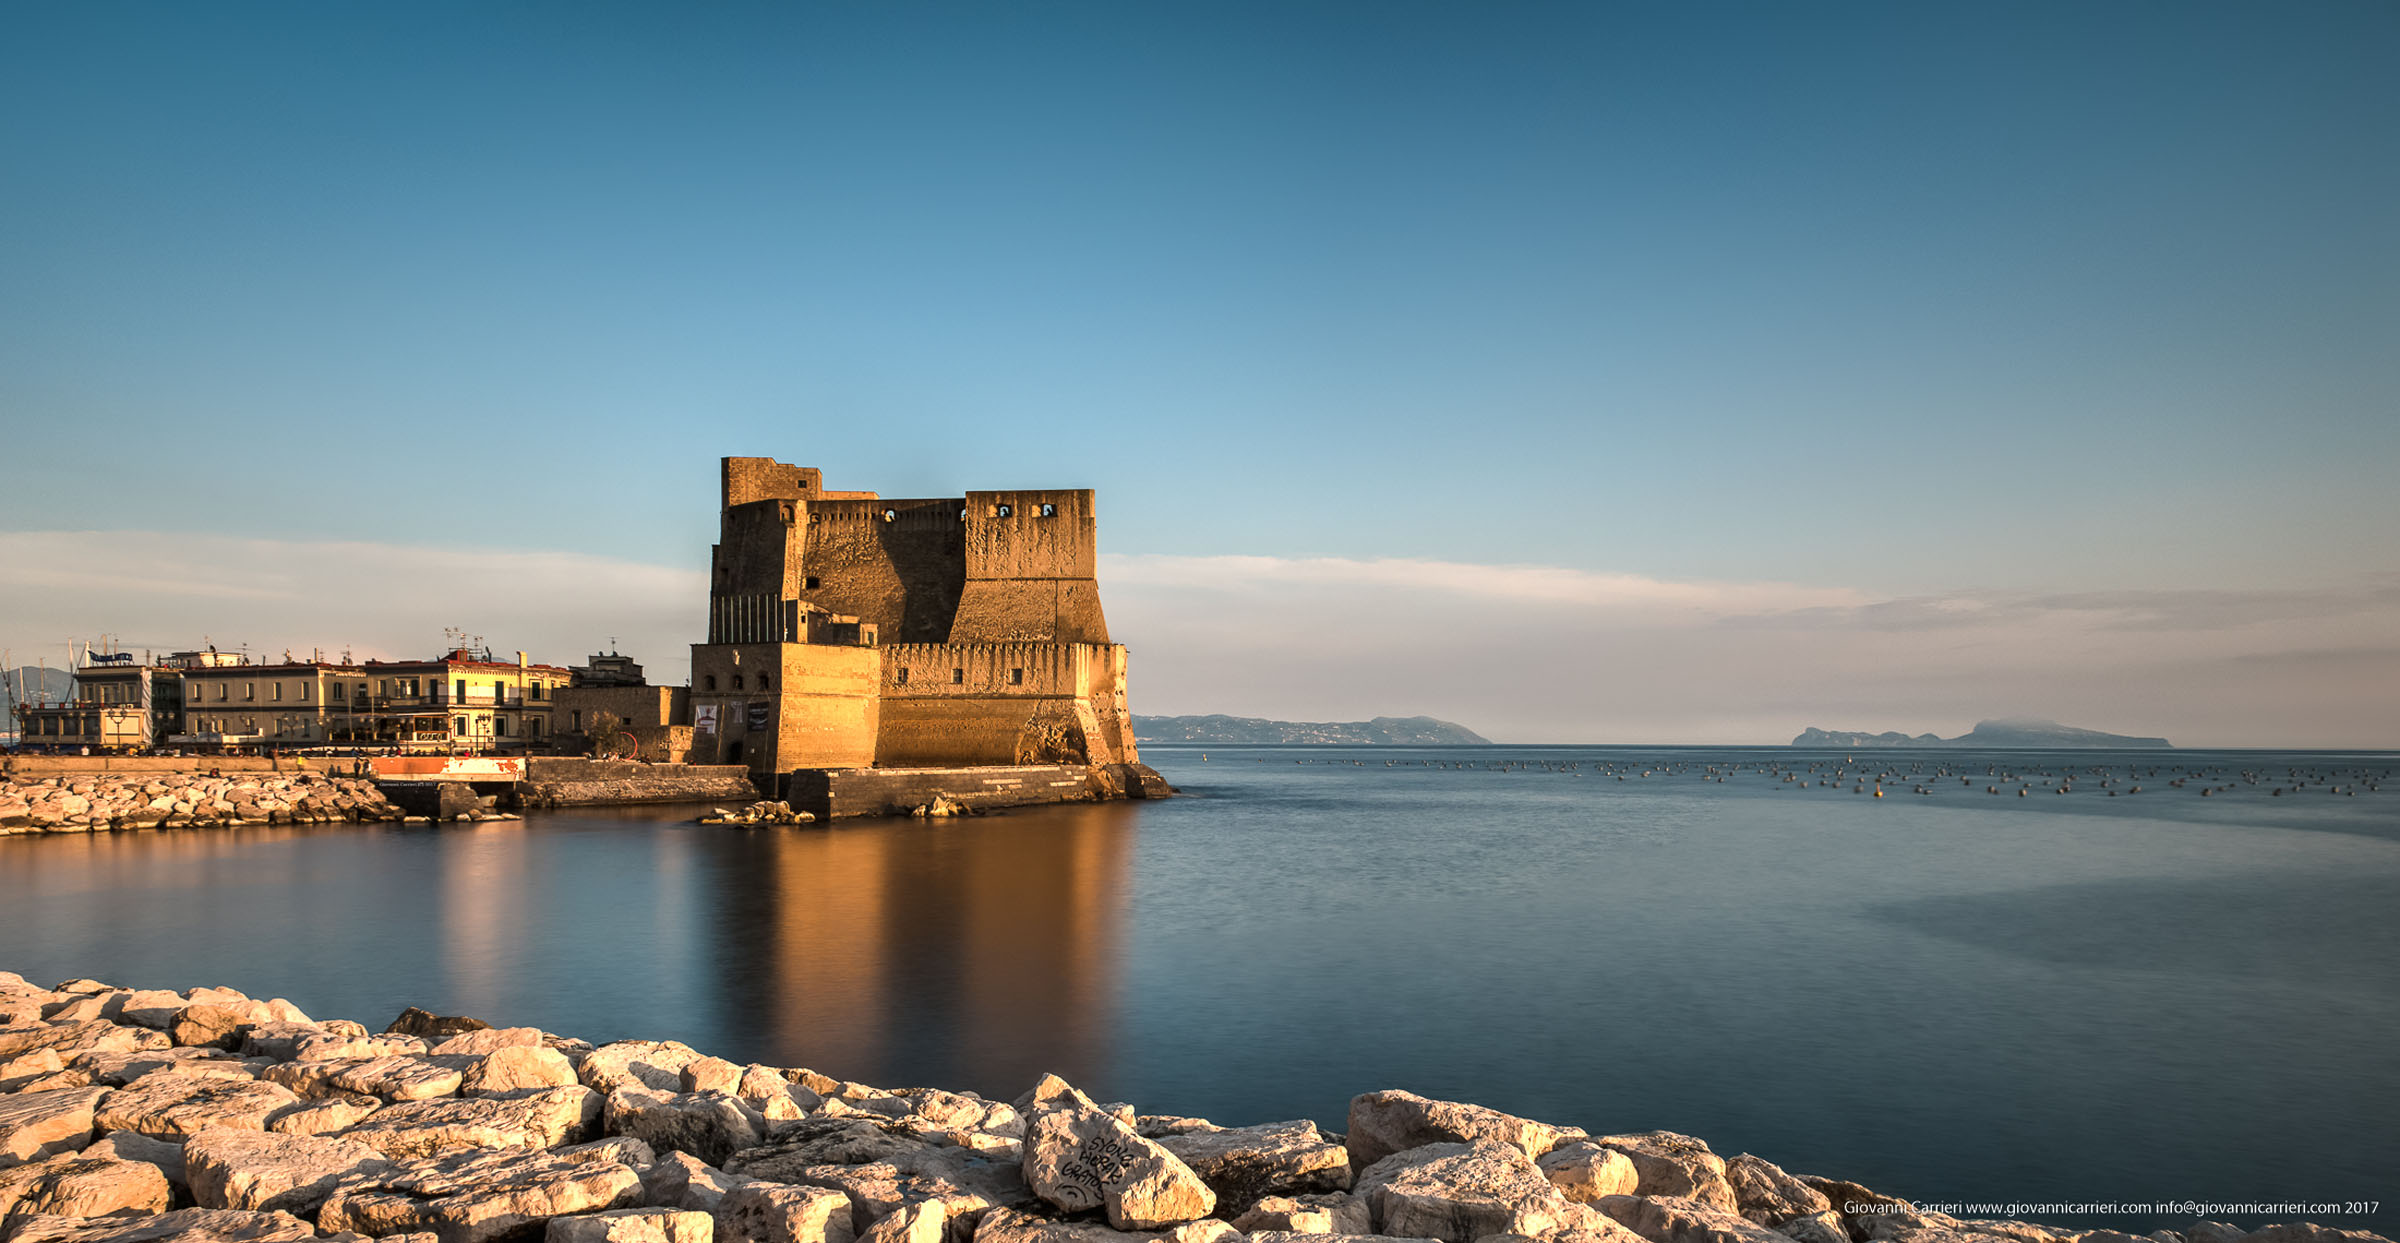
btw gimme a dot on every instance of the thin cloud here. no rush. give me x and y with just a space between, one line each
1542 584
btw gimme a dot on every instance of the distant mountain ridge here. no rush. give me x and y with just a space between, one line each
1390 731
2023 732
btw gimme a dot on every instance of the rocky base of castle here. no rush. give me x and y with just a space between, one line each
147 1116
170 800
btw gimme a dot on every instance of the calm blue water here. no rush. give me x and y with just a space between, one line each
2093 996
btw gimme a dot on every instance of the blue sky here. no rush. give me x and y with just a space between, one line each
1872 302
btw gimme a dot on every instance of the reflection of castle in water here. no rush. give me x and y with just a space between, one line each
976 955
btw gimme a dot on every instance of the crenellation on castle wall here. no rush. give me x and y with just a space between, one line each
993 646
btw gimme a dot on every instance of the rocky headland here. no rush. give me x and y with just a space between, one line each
1383 731
100 802
2025 732
149 1116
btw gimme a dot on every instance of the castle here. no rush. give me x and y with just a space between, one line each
847 630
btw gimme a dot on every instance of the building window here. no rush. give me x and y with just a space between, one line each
538 691
304 691
901 678
957 676
1003 511
575 720
462 690
1049 511
1016 677
535 725
340 692
809 582
250 691
737 681
460 726
221 689
891 515
275 691
500 727
762 682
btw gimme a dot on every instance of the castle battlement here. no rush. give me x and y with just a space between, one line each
847 629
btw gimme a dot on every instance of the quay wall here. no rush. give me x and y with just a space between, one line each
570 782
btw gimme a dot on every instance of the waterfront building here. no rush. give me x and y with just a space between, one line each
847 630
463 701
656 719
119 703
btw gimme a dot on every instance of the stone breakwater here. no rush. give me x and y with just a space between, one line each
100 802
148 1116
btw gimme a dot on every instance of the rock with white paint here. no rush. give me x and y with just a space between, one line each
1080 1159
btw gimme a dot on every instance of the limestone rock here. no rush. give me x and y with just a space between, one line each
335 1044
324 1117
1669 1164
1243 1164
312 1078
1587 1173
964 1185
426 1024
759 1212
190 1225
1332 1213
472 1197
1278 1236
2308 1232
1822 1227
1003 1225
538 1119
709 1125
209 1025
178 1106
1765 1194
261 1171
711 1074
150 1007
280 1041
488 1040
1382 1123
775 1095
1460 1192
681 1180
82 1186
1669 1219
1052 1092
69 1039
128 1146
34 1125
653 1064
515 1068
822 1141
921 1222
633 1225
198 1063
1080 1159
400 1078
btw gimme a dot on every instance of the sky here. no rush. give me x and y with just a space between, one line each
1579 372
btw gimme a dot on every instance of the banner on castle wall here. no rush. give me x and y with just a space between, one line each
762 715
704 718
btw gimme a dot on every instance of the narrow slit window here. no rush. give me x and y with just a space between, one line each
957 676
1016 677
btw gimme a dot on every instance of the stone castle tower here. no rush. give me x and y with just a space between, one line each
847 630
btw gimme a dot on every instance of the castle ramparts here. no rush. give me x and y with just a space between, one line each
848 630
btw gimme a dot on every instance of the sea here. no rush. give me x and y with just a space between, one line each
2120 989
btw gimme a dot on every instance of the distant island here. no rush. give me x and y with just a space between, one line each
2014 733
1394 731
